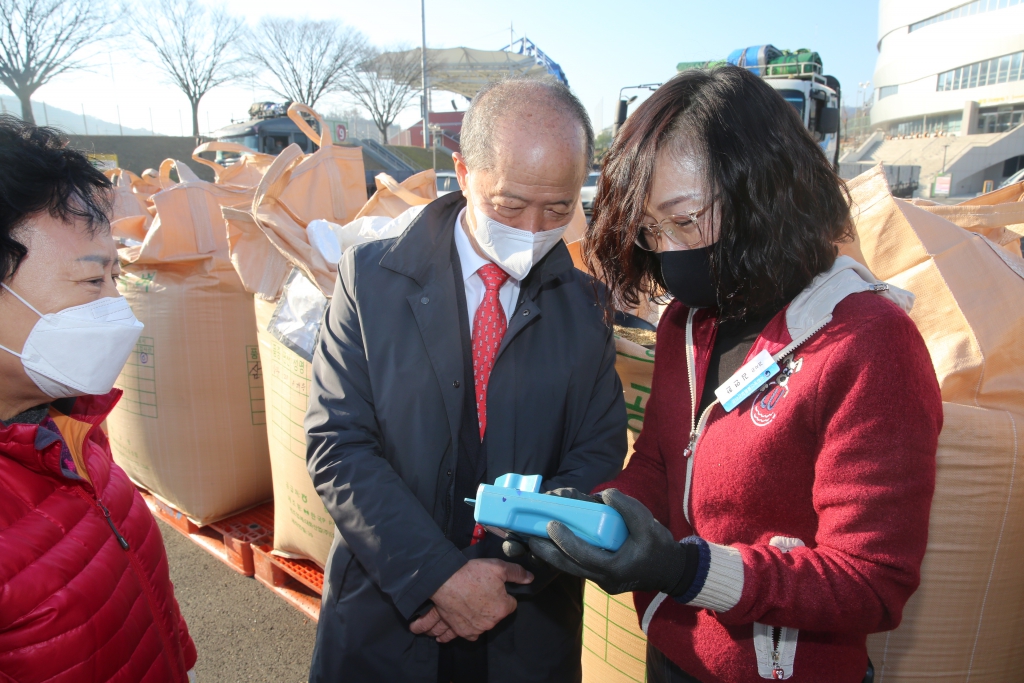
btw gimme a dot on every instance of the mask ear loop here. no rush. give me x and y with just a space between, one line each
30 307
18 297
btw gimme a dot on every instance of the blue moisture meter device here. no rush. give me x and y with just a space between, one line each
515 504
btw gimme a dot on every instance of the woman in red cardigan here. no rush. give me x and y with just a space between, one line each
779 494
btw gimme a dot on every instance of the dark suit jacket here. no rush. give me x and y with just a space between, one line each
382 434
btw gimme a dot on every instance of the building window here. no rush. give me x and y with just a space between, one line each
1000 119
887 90
945 124
1012 165
1005 69
940 124
912 127
970 8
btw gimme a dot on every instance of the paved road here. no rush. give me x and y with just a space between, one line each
244 632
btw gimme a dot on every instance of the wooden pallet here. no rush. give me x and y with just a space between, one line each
229 540
299 582
244 542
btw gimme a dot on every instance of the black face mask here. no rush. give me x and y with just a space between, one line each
687 276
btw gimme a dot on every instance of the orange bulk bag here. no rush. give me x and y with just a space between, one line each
393 198
191 426
962 263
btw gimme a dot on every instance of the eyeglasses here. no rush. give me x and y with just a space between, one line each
681 230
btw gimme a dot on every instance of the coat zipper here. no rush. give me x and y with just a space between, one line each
697 425
140 572
121 540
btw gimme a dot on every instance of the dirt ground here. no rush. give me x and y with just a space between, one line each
244 633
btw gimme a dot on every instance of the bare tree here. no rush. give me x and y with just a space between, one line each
385 83
195 45
42 39
305 59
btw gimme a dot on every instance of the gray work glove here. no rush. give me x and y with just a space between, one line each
512 549
649 560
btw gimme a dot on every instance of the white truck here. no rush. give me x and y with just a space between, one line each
797 76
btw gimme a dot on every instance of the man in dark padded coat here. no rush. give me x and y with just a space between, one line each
467 348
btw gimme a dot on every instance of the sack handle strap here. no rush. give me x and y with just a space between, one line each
295 112
123 176
185 174
271 185
218 146
402 193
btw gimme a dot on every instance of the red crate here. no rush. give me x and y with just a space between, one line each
229 540
299 582
244 542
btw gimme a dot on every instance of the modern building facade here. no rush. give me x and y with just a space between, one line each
948 66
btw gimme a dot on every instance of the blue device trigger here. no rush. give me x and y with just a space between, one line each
529 483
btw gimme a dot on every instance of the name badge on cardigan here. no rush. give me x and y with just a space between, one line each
747 380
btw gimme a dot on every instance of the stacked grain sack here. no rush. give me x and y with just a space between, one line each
191 425
273 253
964 265
614 647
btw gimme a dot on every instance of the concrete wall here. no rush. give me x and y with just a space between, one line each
139 152
973 184
971 159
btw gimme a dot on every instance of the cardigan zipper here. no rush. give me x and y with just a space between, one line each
791 347
778 673
697 425
691 362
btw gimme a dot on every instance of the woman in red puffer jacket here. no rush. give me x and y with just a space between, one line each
85 594
779 493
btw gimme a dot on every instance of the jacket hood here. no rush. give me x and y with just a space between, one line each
813 307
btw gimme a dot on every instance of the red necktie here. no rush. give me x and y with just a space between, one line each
489 325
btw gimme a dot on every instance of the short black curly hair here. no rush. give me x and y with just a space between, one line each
39 172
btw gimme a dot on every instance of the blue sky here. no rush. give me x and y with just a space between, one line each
601 45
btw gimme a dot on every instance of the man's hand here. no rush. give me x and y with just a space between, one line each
432 624
472 601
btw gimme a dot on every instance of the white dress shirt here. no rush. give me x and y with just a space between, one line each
471 262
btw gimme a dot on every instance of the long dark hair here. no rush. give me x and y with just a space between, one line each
783 208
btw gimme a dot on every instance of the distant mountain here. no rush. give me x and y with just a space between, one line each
68 121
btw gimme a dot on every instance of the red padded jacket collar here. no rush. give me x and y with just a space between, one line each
36 448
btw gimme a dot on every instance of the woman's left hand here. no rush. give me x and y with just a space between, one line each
649 560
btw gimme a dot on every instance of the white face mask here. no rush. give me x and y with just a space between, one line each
514 251
80 350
